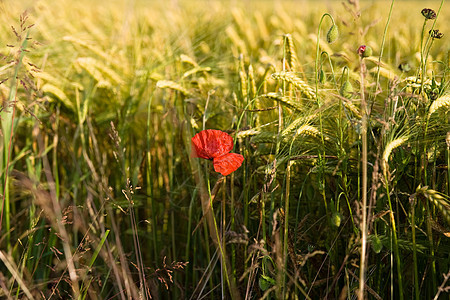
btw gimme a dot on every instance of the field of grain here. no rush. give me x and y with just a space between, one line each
339 109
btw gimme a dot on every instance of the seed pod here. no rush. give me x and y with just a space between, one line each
346 90
364 51
265 282
336 219
321 76
435 34
368 52
333 34
376 244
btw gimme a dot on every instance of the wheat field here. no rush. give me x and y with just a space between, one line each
339 109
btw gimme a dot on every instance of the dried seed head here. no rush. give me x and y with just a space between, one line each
428 13
346 90
433 94
333 34
435 34
365 51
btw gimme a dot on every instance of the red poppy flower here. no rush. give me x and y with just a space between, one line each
215 145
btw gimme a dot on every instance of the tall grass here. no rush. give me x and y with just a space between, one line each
344 190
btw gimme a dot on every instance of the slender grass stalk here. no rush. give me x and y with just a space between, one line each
422 68
364 161
218 240
424 58
395 240
447 140
383 41
188 248
232 225
12 268
128 192
286 224
151 198
84 289
319 104
206 231
413 233
332 70
223 228
431 245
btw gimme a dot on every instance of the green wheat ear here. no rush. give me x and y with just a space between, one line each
333 34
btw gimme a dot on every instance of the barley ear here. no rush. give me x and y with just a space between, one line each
290 52
301 85
438 200
283 100
251 81
389 148
440 102
167 84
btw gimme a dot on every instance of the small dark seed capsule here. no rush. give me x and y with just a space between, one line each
428 13
435 34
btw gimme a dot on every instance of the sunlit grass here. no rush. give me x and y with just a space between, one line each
102 199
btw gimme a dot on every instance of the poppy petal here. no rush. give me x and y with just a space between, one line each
228 163
211 143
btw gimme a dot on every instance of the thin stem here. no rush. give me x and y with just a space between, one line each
421 52
423 60
286 221
316 72
382 49
448 167
364 185
413 229
217 236
431 242
394 235
151 199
